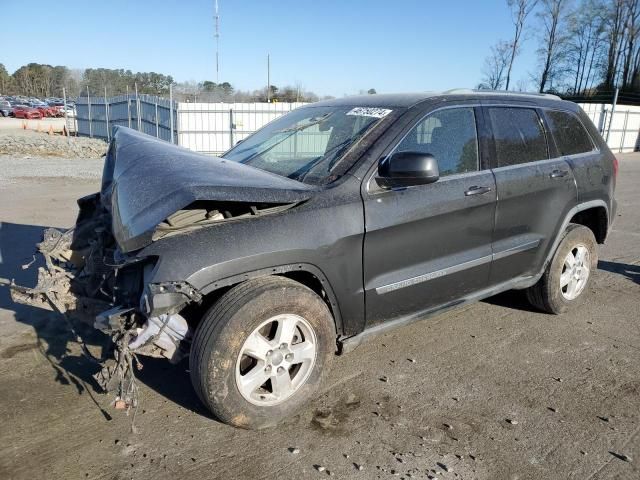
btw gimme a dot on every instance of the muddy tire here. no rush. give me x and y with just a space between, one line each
567 276
261 352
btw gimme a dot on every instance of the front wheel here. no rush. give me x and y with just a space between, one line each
566 277
261 351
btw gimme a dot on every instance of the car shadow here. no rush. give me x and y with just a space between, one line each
514 299
629 270
54 337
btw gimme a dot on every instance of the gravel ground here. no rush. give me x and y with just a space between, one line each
32 143
490 391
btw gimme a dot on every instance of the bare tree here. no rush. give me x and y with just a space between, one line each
495 66
632 27
522 85
520 10
552 17
615 28
586 43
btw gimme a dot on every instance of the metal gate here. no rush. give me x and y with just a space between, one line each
155 116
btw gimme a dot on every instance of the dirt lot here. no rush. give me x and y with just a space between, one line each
491 391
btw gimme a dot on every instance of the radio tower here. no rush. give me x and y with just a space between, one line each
217 36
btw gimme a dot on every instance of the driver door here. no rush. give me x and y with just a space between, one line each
430 245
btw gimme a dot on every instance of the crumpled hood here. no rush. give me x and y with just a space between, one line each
145 180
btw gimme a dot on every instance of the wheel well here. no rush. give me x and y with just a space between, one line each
194 312
309 280
595 219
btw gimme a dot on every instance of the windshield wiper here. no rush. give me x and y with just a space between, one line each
300 177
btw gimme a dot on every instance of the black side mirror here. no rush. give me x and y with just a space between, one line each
405 169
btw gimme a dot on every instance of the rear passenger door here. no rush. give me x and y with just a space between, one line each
577 147
535 188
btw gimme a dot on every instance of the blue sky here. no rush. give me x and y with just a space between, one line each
330 47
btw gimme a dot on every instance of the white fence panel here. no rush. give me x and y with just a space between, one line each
621 130
213 128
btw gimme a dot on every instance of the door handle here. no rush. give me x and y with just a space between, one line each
476 190
558 174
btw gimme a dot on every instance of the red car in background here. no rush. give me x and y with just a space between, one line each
45 111
58 109
22 111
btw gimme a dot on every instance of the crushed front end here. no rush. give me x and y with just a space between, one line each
101 271
86 277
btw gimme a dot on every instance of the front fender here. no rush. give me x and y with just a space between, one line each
326 242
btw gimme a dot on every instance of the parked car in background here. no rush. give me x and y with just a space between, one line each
26 112
58 107
6 109
44 110
70 111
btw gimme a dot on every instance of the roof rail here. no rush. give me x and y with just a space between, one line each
469 91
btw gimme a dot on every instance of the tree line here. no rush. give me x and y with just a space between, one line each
40 80
583 47
209 91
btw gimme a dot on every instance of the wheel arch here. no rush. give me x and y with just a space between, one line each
596 218
581 207
303 273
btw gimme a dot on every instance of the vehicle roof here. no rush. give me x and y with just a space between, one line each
407 100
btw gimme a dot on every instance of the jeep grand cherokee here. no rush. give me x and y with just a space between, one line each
337 221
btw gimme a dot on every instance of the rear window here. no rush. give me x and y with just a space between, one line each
570 136
518 135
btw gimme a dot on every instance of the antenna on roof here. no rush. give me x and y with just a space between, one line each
216 17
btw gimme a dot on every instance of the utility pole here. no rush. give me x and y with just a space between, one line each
217 37
268 79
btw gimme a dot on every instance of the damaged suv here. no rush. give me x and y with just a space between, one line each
334 222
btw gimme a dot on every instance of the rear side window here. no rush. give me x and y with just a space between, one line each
450 136
518 135
571 137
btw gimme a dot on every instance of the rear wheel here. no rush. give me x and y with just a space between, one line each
566 277
261 351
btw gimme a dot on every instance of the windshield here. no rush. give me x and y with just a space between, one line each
307 144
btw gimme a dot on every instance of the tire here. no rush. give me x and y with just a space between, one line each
552 294
220 366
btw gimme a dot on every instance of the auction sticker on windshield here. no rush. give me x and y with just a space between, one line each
369 112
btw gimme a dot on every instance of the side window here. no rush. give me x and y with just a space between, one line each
518 135
570 135
450 136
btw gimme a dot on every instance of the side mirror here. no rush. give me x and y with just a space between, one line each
405 169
